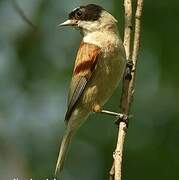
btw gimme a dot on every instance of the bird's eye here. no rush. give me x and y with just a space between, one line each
78 14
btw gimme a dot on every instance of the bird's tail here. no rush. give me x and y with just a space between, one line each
63 150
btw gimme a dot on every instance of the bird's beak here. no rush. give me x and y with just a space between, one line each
69 22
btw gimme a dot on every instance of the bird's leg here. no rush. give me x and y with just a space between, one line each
120 117
115 114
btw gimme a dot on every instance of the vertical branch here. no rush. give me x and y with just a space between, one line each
124 98
128 84
137 33
124 104
128 26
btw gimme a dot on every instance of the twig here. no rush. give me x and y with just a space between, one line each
124 98
128 84
137 33
22 14
128 26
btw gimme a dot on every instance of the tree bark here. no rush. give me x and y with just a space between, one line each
128 83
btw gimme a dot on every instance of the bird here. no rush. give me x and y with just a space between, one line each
99 67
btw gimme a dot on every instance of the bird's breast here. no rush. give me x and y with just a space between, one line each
109 68
106 76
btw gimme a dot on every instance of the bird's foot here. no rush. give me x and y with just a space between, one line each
123 118
130 64
129 70
119 116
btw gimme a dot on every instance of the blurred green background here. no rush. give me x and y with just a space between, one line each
35 71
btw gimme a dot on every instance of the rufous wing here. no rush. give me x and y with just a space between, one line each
86 60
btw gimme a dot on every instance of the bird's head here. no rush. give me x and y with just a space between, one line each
90 18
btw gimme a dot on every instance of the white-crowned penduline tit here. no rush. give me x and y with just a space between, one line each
99 66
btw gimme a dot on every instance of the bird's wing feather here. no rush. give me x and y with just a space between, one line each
85 63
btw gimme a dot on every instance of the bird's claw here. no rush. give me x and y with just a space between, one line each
123 118
129 70
130 64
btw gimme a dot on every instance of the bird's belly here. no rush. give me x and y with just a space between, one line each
103 83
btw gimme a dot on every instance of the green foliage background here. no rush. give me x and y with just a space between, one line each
35 71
